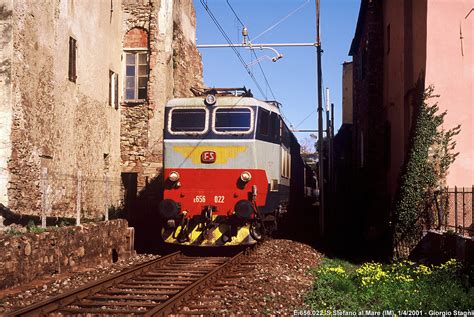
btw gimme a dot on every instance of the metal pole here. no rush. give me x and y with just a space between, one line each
306 130
328 138
320 126
455 209
260 45
331 149
463 212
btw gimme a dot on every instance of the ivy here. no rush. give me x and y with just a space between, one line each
429 157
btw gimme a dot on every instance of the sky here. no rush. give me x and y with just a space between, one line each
292 79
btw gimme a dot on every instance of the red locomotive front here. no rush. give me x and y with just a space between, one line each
218 174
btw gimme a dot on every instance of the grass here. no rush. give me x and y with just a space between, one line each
32 227
340 285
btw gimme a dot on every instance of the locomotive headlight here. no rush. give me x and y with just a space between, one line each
174 176
246 176
210 99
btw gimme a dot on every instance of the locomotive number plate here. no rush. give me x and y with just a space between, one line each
199 199
219 199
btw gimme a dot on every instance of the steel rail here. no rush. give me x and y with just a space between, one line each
56 302
166 308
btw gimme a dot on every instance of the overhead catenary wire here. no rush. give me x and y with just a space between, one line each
253 52
257 60
226 37
236 16
252 49
314 110
260 66
281 20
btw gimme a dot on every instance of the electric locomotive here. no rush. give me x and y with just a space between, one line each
227 168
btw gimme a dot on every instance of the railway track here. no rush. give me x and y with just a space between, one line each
155 288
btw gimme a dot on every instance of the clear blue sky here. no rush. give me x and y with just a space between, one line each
292 78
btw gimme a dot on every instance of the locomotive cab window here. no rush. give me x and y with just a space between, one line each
263 118
233 120
275 126
187 121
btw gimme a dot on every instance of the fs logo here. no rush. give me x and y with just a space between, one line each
208 157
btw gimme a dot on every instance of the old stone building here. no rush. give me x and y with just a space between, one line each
82 90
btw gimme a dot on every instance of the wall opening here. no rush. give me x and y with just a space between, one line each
115 256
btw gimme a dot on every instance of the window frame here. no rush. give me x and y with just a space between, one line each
285 163
72 60
261 114
252 121
136 52
206 121
113 90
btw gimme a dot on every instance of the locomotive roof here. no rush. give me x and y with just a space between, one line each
223 101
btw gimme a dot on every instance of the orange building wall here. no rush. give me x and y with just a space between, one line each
451 71
404 65
424 43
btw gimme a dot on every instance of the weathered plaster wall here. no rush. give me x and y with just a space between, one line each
450 69
64 147
58 126
5 95
187 63
32 255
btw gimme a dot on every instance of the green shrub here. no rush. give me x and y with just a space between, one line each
400 286
429 157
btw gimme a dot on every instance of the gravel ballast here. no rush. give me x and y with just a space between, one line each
275 284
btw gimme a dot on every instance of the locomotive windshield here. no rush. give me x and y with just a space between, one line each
233 120
188 120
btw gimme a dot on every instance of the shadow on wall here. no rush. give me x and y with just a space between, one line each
141 211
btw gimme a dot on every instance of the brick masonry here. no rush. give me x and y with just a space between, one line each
369 126
33 255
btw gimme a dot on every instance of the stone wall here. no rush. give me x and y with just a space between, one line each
174 67
32 255
187 65
5 95
65 154
63 147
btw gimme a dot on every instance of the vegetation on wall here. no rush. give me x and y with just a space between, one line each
429 157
